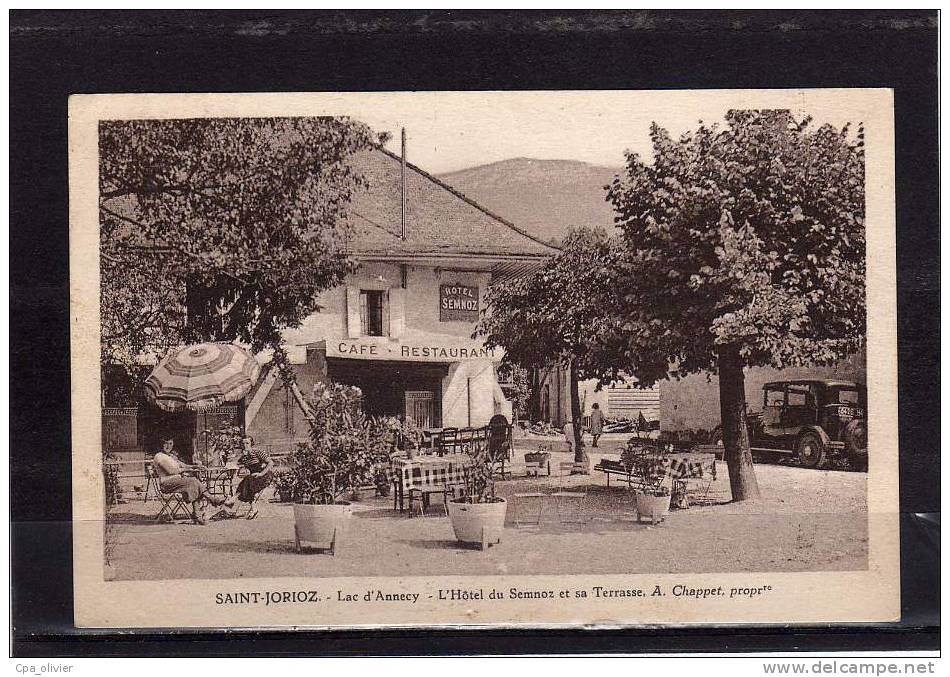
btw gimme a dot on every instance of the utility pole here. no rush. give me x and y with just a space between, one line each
403 157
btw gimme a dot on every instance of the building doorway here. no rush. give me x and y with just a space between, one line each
402 389
420 408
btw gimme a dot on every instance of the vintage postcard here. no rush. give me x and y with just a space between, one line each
599 358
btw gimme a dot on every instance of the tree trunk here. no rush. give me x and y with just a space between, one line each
301 402
534 396
580 454
735 432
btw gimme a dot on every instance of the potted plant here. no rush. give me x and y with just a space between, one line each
403 435
647 463
479 515
398 437
224 445
340 456
629 457
542 456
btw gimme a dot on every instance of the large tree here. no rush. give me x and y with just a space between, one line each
744 247
559 315
220 229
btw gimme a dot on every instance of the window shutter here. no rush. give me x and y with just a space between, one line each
353 312
397 312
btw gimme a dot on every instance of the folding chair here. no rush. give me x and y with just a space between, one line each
566 468
702 483
151 482
465 441
173 503
498 445
432 482
561 495
577 497
448 441
524 498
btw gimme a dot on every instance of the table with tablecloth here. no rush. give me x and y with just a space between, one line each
691 475
690 465
678 467
452 470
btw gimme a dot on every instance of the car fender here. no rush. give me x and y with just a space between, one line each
818 430
848 435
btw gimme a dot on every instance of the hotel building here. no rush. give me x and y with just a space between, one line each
401 328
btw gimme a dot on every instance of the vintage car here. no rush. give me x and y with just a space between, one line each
812 419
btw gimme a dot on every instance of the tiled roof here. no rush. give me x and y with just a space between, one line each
440 220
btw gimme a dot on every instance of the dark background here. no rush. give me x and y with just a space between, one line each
55 54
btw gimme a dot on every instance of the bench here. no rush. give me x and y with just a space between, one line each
694 472
615 468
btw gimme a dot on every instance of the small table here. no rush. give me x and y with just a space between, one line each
218 480
685 466
450 470
690 465
542 457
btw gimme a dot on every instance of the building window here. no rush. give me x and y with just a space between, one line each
371 312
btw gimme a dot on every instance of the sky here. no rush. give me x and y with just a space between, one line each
447 131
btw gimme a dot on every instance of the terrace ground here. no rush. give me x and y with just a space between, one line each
808 520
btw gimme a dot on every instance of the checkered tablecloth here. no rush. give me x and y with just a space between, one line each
681 466
450 470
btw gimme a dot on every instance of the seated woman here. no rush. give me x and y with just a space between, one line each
170 469
260 466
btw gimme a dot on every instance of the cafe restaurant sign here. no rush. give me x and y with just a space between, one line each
413 351
458 303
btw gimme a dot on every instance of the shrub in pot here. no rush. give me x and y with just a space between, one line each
343 451
110 470
647 463
402 435
284 486
224 445
542 456
479 515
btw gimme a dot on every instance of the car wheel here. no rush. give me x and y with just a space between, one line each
809 450
855 437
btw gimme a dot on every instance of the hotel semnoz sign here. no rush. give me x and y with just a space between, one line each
458 303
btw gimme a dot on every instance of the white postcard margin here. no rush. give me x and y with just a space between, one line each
794 598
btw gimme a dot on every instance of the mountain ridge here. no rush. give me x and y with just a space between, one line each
543 197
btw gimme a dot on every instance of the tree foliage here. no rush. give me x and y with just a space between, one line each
743 246
563 312
220 229
345 448
520 383
750 236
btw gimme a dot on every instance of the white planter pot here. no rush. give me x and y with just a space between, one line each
480 523
321 524
653 507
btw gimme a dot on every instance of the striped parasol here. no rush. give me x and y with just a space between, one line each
200 377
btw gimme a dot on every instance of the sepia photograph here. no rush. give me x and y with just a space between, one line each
437 350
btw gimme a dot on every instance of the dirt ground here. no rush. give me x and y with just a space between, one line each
808 520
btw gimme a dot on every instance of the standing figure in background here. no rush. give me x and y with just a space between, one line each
596 423
261 473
